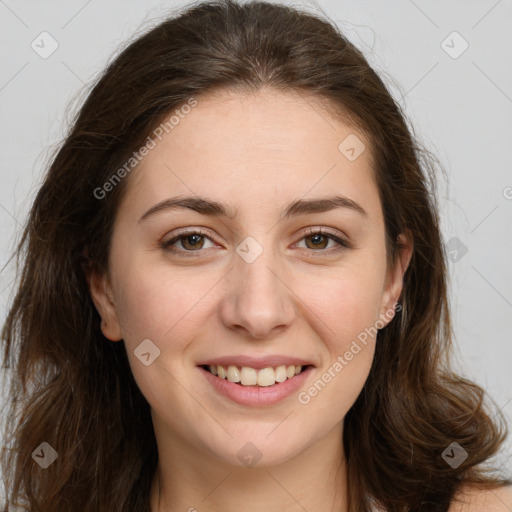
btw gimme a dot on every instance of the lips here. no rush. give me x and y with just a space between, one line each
257 396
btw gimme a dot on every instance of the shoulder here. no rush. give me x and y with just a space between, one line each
471 499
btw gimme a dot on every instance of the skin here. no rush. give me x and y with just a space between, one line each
256 153
478 500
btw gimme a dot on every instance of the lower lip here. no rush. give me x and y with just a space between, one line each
257 396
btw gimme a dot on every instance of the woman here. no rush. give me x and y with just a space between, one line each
298 360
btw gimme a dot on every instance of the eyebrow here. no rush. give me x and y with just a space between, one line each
213 208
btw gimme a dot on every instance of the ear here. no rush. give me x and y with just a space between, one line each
395 277
101 294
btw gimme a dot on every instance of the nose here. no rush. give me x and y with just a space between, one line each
257 301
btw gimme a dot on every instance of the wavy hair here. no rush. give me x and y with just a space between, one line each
72 388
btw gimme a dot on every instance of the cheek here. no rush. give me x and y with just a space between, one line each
348 333
348 301
165 309
158 305
346 307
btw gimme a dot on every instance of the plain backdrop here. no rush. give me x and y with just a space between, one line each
446 62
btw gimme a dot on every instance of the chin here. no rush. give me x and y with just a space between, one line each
269 447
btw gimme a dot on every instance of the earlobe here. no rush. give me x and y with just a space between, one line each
101 294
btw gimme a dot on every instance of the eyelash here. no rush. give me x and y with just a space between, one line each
343 244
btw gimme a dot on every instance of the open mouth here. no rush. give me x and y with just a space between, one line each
251 377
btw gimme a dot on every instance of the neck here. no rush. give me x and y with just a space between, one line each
190 479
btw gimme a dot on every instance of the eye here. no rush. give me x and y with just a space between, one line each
319 238
191 241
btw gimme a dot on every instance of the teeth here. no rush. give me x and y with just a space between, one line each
250 376
281 373
233 374
266 377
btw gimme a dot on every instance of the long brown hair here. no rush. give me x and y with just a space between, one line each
73 389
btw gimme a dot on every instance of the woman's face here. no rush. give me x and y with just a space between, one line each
257 283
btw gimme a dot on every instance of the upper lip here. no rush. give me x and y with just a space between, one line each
256 362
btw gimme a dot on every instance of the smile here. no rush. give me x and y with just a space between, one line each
247 376
256 388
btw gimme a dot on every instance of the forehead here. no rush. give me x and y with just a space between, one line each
252 147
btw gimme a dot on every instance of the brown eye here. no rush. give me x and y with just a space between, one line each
318 241
190 241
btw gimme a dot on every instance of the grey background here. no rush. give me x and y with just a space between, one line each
461 108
